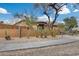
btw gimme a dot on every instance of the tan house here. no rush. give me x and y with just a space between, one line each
7 30
21 29
12 30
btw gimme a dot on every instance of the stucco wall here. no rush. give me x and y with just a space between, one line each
13 32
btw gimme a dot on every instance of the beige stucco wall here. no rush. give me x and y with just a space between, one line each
13 32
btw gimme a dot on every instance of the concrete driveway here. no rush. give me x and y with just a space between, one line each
7 45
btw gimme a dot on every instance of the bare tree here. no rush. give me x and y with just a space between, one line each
45 8
55 7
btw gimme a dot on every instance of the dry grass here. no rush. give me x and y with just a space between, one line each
45 32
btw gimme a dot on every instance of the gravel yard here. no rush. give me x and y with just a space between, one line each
59 50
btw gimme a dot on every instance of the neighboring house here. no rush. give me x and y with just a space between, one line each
7 30
12 30
44 25
36 25
21 29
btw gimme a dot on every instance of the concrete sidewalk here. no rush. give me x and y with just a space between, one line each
6 46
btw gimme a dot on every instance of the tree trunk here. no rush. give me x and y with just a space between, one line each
56 15
49 23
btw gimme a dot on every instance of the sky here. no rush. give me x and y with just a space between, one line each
7 10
